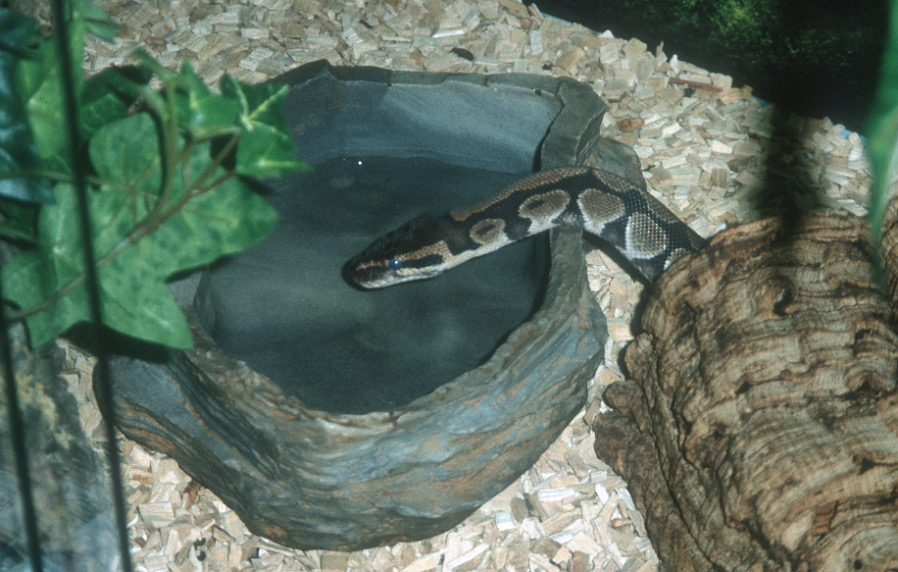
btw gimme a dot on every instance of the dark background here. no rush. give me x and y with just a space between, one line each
819 58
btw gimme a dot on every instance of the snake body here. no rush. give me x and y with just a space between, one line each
600 202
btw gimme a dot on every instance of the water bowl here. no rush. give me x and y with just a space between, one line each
330 417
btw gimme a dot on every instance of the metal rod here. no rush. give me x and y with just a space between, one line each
20 451
101 371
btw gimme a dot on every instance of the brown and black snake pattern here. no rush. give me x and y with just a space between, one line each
601 203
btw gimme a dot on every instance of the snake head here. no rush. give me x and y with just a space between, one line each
411 252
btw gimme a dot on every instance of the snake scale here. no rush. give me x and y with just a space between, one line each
600 202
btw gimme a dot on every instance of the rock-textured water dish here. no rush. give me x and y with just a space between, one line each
315 479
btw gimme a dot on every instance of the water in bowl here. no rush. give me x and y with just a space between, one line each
284 309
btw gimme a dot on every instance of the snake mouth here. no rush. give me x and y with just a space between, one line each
359 276
374 275
370 275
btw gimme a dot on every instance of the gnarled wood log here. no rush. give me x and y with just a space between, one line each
760 428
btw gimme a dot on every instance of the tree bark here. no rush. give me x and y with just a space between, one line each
760 428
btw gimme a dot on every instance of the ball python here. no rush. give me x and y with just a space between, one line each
598 201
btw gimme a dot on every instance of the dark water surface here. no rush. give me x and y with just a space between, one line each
284 309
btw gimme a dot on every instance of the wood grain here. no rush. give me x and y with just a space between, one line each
760 429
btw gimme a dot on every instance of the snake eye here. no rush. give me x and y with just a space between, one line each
395 264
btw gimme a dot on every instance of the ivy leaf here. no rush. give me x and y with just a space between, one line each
198 108
223 220
20 220
263 152
158 205
17 150
266 148
133 300
39 78
16 32
127 152
39 84
108 96
96 21
34 268
141 235
259 103
33 276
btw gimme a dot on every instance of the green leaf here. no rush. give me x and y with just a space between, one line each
19 220
140 237
96 21
259 103
133 300
39 78
266 152
883 130
137 303
226 219
109 95
198 108
266 148
127 152
17 150
160 203
30 268
33 276
229 219
39 84
16 33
